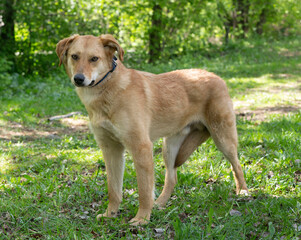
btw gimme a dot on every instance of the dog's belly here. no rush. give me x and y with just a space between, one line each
156 133
173 126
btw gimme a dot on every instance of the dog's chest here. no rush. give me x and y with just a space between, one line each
104 127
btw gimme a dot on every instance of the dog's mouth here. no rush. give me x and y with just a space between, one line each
92 83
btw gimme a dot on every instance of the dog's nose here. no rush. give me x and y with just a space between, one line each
79 79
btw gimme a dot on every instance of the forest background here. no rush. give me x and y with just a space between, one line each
148 30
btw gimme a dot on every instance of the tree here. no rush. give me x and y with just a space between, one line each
226 18
7 31
147 29
242 16
155 33
262 20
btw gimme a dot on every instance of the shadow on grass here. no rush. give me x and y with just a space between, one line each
276 133
215 213
61 198
26 148
42 130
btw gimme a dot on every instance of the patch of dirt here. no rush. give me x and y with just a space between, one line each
287 53
76 124
15 131
282 76
261 114
54 130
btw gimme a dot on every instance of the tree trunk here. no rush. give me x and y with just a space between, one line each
227 19
262 20
227 31
155 36
7 32
242 13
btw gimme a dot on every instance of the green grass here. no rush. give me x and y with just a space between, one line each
53 180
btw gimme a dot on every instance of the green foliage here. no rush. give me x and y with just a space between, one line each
5 77
186 26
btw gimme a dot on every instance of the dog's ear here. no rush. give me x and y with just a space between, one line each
62 47
111 45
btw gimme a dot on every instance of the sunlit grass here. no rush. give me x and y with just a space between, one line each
4 162
53 178
265 92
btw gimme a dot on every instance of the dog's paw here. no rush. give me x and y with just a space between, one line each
138 221
106 215
160 205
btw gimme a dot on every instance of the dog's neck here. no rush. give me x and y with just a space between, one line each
102 96
114 65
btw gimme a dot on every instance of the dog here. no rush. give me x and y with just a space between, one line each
130 109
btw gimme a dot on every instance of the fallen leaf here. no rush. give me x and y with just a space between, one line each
130 191
296 227
95 234
219 227
210 181
183 216
298 176
257 224
253 234
134 230
158 232
94 205
270 174
36 235
265 234
235 213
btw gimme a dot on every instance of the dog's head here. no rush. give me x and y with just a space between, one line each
87 58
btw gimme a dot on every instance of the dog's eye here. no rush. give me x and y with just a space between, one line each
74 56
94 59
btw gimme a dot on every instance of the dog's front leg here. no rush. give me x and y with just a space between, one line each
114 160
143 160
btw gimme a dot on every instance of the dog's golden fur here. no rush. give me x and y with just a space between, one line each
130 109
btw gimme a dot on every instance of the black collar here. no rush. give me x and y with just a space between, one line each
114 64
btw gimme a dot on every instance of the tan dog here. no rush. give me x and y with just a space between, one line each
131 109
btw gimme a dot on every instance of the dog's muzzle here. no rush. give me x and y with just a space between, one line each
79 79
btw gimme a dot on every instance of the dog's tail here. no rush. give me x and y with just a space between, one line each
191 142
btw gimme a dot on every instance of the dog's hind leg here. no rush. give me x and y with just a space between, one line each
176 150
171 146
223 131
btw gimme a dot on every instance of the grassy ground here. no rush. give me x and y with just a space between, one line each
53 180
